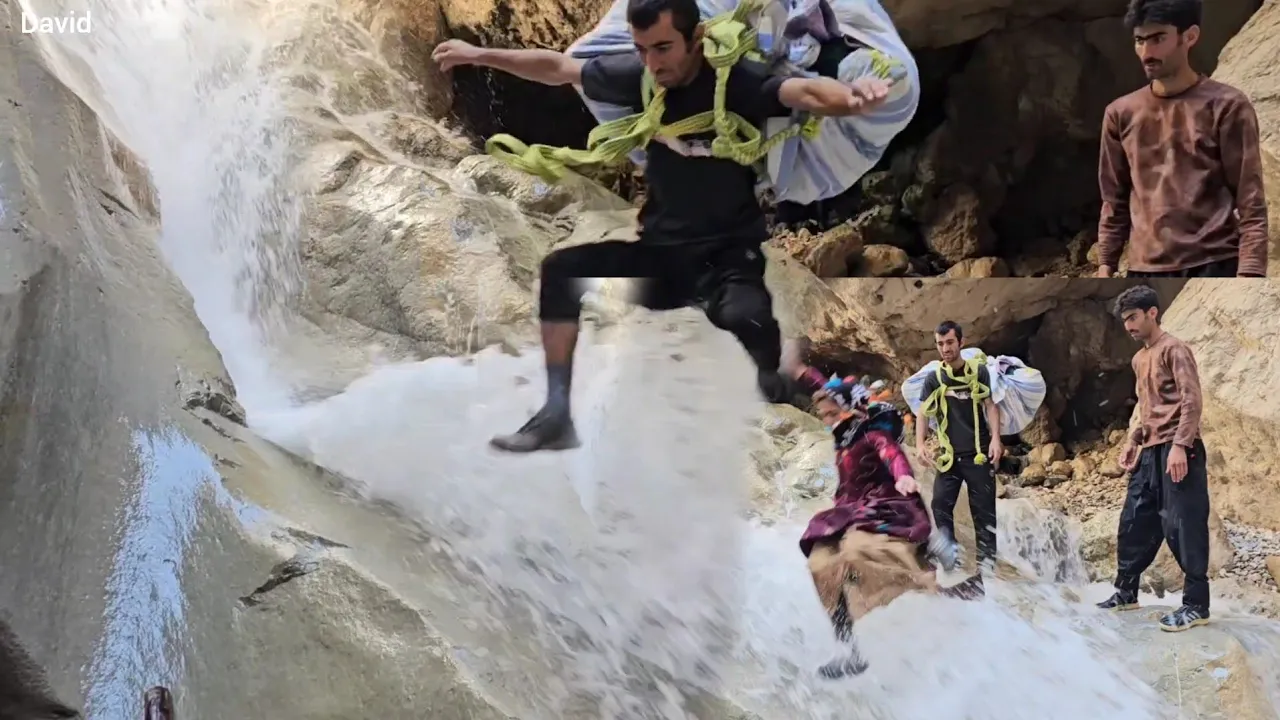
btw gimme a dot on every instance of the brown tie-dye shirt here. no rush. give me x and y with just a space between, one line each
1181 181
1169 399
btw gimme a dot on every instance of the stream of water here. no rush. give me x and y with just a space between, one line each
635 543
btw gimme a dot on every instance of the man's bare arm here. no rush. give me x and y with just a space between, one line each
547 67
993 416
1114 186
828 97
1239 140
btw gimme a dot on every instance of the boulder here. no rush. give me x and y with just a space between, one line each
445 258
1098 548
1219 671
1234 336
1248 62
793 466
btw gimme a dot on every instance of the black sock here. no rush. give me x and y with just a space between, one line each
559 381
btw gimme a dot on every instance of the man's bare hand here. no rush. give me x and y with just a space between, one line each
906 485
455 53
1177 466
793 356
924 453
870 92
1129 456
996 451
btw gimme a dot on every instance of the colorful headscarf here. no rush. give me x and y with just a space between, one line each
848 393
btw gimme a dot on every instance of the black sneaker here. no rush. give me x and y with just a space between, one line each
1184 618
547 430
1120 601
842 667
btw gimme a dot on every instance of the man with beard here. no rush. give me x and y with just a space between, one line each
1180 170
958 398
701 226
1168 484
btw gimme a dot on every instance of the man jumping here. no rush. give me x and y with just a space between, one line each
701 226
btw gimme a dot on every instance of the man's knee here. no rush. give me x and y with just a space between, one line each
560 289
747 312
742 308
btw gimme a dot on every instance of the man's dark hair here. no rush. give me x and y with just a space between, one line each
947 326
644 14
1138 297
1181 14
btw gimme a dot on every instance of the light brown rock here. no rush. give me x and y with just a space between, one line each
882 261
956 226
399 251
988 267
826 254
1034 474
1234 335
1098 548
1249 62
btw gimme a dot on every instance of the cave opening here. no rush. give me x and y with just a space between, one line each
845 362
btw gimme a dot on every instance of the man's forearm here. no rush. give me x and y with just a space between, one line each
1114 188
1253 239
1240 140
993 418
541 66
1113 233
822 96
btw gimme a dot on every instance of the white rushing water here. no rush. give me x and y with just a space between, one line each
637 539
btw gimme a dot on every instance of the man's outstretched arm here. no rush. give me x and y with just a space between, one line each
547 67
828 97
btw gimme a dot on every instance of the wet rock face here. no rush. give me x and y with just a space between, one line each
446 259
24 689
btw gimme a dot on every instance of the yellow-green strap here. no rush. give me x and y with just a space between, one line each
935 406
727 39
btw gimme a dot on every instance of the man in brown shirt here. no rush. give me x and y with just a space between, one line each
1179 170
1168 483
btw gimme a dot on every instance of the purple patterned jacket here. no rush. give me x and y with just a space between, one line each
866 498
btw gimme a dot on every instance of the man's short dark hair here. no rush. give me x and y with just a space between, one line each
644 14
947 326
1181 14
1138 297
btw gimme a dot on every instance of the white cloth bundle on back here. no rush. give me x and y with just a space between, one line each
799 170
1017 390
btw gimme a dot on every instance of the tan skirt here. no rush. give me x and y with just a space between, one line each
867 571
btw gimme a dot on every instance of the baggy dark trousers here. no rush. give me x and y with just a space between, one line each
726 280
1155 509
981 483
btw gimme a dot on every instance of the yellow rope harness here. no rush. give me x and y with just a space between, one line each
935 406
727 38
